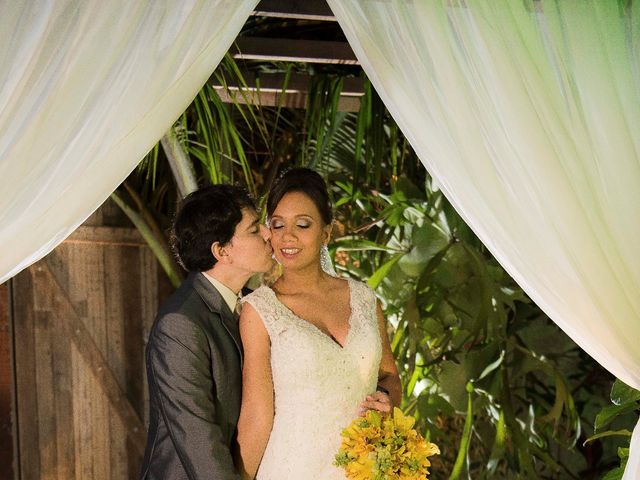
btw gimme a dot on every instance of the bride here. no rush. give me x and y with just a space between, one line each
315 346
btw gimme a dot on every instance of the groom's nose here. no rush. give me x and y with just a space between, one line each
265 232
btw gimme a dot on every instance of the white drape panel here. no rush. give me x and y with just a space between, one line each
528 115
87 87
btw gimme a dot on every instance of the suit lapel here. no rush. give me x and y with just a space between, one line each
212 298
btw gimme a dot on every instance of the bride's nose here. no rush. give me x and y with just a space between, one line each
287 233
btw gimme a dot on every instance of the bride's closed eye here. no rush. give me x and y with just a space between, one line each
276 226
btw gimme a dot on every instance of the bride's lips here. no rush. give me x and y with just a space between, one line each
289 252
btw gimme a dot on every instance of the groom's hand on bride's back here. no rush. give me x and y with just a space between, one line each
379 401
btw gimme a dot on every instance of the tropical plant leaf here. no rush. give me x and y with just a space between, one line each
610 413
622 394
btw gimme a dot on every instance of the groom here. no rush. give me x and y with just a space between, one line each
194 354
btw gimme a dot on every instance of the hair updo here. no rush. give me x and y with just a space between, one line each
303 180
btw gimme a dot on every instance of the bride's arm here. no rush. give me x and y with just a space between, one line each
256 414
388 377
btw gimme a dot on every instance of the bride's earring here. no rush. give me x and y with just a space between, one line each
325 261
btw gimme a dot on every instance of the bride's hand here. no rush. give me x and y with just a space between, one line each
379 401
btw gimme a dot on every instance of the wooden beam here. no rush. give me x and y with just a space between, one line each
8 437
295 9
297 82
288 99
268 90
121 236
287 50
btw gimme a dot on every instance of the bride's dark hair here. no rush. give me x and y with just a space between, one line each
303 180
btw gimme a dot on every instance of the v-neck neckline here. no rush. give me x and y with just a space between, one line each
317 329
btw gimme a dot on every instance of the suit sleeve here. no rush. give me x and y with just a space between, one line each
179 363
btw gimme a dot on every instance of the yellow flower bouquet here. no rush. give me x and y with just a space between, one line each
384 447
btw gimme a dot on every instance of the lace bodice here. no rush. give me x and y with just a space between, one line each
318 384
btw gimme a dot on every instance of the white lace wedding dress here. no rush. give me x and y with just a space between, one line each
318 384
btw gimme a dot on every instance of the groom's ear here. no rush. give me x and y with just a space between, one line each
220 252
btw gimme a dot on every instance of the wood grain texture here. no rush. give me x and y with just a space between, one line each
295 9
26 387
6 388
82 317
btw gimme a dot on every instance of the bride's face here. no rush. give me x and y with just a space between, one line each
297 231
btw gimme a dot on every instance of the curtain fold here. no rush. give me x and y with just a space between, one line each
527 114
86 89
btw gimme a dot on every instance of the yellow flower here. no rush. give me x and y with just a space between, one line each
384 448
403 423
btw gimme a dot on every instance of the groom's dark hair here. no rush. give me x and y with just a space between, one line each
205 216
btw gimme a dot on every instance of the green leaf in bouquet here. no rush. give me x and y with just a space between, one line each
621 393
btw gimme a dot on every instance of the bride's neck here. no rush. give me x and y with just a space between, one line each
293 281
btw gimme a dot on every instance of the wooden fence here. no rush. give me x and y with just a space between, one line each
6 388
80 321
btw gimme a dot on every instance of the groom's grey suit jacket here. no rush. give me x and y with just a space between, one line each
194 370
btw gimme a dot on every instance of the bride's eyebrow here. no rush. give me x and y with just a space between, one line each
296 217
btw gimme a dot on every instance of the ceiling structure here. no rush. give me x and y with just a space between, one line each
299 31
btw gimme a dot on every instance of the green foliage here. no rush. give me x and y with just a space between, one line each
489 377
466 337
625 400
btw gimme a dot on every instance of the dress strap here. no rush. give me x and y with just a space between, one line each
265 303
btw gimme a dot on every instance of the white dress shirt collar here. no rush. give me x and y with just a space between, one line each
230 298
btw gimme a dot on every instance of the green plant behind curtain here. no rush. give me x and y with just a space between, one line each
478 370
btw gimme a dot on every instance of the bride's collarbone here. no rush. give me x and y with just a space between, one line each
325 310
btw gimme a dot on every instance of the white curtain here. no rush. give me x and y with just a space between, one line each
87 87
528 115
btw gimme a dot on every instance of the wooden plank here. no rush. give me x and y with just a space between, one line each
63 398
287 50
53 377
125 347
91 353
295 83
25 365
295 9
94 235
269 90
44 380
6 387
289 100
83 265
